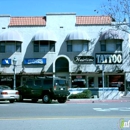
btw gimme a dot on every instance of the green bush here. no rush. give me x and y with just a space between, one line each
84 94
88 93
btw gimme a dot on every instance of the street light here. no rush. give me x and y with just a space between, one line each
14 63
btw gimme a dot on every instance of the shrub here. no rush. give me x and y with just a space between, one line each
84 94
88 93
77 96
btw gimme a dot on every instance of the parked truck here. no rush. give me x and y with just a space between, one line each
45 88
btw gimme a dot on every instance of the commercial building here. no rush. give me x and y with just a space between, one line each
86 50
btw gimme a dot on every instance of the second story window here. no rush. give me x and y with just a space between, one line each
111 45
9 47
2 48
44 46
77 46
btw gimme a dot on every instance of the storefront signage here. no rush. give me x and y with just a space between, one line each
109 58
83 59
6 79
6 61
35 61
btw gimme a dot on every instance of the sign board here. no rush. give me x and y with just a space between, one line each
6 61
109 58
83 59
35 61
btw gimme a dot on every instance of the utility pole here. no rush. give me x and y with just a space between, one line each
103 79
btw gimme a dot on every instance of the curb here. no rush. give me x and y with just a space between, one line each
96 101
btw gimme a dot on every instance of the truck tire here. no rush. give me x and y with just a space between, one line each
46 98
62 100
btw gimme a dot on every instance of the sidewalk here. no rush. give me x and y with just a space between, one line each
99 100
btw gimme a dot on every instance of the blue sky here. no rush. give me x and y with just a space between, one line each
41 7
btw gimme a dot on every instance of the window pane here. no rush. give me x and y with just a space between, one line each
85 47
10 47
111 47
69 47
29 83
99 82
44 46
48 82
91 82
103 46
114 80
52 47
38 83
119 47
2 47
18 47
36 47
77 47
60 82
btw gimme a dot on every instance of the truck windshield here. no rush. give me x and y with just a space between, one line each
60 82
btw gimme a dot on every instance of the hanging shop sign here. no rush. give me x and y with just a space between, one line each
83 59
109 58
6 61
35 61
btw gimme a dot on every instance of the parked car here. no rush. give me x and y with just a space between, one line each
45 88
78 83
6 93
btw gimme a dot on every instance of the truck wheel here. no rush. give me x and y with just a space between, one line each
62 100
46 98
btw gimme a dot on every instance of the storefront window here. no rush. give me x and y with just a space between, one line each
78 81
115 80
99 82
91 82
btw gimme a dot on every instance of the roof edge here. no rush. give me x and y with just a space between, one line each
67 13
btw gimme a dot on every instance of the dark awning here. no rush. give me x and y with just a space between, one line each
111 34
77 35
44 35
11 35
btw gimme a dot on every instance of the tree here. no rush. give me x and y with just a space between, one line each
119 11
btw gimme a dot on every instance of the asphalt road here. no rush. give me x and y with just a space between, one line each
55 116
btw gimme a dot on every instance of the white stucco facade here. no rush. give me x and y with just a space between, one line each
61 25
